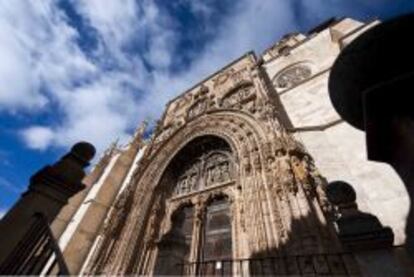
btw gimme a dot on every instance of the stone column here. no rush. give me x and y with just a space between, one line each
49 191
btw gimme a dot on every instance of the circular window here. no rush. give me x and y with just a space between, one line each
292 76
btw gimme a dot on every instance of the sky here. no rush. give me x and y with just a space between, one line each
94 69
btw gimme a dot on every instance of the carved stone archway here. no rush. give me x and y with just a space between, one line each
245 138
261 198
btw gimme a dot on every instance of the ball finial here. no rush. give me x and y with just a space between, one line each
84 151
340 192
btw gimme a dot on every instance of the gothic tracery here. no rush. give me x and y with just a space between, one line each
292 76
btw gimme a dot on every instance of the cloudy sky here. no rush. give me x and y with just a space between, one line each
93 69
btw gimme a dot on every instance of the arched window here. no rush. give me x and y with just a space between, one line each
216 244
200 237
292 76
175 247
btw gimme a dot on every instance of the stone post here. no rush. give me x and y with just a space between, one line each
48 192
365 237
356 230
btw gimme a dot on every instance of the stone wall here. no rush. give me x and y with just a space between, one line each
338 148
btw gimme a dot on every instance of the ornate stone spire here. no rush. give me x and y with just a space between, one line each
139 132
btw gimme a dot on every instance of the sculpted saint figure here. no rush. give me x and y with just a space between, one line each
302 175
284 172
226 172
209 176
256 160
273 168
215 174
152 224
318 183
220 170
192 182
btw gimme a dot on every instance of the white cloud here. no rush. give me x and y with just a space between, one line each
44 68
98 112
106 104
113 19
38 137
18 86
39 53
46 65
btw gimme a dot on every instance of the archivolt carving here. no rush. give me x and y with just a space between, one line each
203 90
231 79
197 108
164 134
152 174
242 173
238 96
241 97
223 77
220 117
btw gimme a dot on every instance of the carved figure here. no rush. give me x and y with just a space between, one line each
301 173
284 173
226 171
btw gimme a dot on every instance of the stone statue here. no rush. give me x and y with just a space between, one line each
256 160
220 173
215 174
226 171
193 182
284 172
302 175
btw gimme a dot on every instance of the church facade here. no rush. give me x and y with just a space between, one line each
251 171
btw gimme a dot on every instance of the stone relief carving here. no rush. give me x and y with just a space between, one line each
319 184
238 97
197 108
164 134
292 76
245 163
223 77
153 223
201 102
215 170
284 173
231 78
211 169
308 176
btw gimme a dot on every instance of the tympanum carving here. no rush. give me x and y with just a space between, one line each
210 169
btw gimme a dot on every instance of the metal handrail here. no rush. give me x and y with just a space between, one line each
317 263
36 247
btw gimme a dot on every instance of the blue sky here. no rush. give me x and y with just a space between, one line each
94 69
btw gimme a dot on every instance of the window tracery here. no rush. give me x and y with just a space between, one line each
292 76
